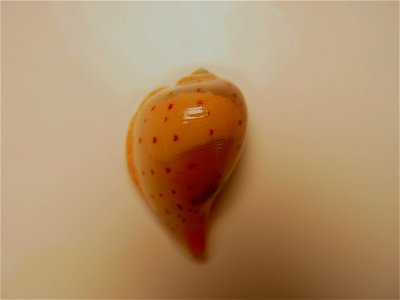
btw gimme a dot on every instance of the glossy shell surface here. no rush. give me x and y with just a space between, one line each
182 145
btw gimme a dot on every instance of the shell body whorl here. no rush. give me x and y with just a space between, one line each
182 145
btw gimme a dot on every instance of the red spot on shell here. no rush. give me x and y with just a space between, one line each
240 122
168 170
152 172
191 166
170 106
140 140
167 211
173 192
200 102
160 194
176 137
234 95
154 140
179 206
143 173
153 107
165 119
211 132
198 90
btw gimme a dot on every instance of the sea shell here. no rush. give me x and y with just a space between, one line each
182 144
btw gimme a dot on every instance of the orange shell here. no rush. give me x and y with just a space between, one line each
182 145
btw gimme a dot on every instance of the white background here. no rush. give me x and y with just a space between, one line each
311 210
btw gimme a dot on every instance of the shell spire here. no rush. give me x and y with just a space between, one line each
197 76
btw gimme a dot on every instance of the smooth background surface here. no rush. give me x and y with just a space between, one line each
311 211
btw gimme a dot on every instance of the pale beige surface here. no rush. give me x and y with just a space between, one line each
312 210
